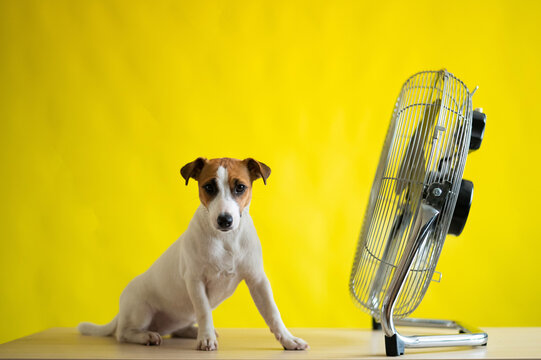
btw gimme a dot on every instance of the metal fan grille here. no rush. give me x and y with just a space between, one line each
427 142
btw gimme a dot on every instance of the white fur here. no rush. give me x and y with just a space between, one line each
198 271
224 202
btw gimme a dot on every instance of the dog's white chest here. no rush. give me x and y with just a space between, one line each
222 273
223 259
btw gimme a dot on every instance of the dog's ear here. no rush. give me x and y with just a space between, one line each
193 169
257 169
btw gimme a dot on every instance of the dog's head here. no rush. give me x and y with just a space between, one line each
225 187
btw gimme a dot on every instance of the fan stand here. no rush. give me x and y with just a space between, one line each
394 342
468 336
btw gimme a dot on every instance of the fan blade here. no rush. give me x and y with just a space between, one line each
412 170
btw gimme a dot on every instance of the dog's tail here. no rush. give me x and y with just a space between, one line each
87 328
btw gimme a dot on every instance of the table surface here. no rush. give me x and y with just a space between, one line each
63 343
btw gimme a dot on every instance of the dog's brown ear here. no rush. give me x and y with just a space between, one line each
193 169
257 169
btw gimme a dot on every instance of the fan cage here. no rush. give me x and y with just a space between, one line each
427 141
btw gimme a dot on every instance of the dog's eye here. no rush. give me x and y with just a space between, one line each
209 188
239 189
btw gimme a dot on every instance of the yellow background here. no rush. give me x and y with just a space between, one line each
102 102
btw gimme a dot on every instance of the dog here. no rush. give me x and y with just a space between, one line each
203 267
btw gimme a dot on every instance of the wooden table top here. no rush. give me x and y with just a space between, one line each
63 343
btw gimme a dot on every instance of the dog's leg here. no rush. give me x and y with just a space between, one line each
189 332
206 337
133 322
261 292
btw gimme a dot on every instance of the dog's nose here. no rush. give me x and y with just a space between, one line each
225 221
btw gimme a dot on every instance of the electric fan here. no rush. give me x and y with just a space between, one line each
417 198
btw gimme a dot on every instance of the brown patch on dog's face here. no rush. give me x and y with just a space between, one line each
240 183
207 181
241 174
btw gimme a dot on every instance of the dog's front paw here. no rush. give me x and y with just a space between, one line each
207 342
290 342
152 338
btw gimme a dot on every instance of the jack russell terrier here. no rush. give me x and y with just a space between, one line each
203 267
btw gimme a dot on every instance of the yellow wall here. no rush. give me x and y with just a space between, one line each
102 102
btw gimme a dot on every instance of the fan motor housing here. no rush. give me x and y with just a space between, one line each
479 120
465 194
462 208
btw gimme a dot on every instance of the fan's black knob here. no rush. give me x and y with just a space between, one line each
479 120
462 208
